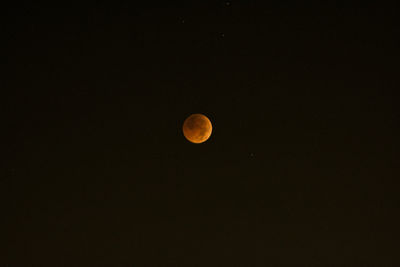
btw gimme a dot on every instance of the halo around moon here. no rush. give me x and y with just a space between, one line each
197 128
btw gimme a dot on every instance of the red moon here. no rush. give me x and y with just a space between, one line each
197 128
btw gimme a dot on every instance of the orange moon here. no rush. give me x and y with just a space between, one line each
197 128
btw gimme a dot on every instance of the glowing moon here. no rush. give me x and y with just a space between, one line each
197 128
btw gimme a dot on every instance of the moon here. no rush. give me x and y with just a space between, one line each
197 128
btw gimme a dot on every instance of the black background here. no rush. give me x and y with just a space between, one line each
302 167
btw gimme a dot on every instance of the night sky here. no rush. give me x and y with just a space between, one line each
302 167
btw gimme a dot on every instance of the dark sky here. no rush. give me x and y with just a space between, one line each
302 168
